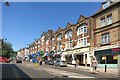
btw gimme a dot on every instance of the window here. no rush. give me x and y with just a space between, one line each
85 42
82 42
67 45
59 37
107 59
53 39
47 41
68 34
103 22
106 5
82 29
70 44
79 42
85 30
105 38
59 46
109 19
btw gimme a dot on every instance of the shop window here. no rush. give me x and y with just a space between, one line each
107 59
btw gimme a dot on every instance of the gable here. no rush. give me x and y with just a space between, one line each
81 18
68 25
59 29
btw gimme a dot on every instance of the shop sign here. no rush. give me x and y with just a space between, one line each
115 50
109 51
77 51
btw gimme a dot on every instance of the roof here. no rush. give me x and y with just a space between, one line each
101 10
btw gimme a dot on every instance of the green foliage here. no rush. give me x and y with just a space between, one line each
7 50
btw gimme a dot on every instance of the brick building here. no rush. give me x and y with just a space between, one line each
97 35
106 32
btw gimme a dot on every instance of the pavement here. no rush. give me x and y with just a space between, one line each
112 71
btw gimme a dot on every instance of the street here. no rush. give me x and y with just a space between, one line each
27 70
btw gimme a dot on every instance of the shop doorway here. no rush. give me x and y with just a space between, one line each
80 58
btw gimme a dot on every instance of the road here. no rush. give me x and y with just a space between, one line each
49 72
19 72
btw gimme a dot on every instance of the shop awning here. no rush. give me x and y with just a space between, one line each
34 55
41 53
38 53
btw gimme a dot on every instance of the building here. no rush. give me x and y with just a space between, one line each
106 32
82 41
95 36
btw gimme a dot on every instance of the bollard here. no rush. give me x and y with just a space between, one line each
105 68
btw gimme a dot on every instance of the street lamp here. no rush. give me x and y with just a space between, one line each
3 40
7 4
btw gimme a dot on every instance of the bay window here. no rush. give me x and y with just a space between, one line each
82 42
82 29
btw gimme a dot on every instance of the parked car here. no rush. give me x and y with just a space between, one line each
4 59
49 62
18 60
60 63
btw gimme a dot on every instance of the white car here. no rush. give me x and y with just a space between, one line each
60 63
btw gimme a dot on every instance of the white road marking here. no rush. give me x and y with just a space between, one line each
61 73
79 77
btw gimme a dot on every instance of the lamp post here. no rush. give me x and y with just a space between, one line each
7 4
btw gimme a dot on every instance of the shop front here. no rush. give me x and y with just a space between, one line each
67 56
82 56
107 57
57 56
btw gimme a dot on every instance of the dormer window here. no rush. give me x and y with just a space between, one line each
105 5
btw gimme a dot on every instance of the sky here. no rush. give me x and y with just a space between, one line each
23 22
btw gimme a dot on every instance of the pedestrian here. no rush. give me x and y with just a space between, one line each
94 66
74 63
36 63
40 62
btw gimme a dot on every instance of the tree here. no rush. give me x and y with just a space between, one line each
7 50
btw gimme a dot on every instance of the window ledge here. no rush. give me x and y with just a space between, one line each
105 44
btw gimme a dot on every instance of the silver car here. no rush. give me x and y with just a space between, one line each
60 63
